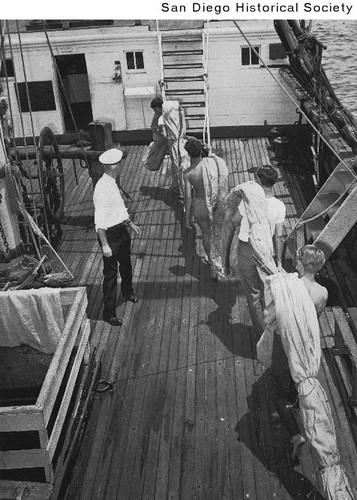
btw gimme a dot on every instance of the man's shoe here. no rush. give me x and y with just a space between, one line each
113 320
132 298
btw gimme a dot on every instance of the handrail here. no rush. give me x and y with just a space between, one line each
206 126
161 82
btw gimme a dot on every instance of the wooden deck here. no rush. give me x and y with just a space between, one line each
190 416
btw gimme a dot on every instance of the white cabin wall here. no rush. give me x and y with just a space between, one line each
138 111
244 95
38 67
238 95
109 102
101 50
106 95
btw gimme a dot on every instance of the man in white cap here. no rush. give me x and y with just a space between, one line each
112 221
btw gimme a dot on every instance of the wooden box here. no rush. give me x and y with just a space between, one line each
45 419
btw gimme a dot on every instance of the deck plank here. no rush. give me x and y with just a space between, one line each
190 416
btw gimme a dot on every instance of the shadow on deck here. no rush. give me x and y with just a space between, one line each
190 416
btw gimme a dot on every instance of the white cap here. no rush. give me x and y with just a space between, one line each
111 157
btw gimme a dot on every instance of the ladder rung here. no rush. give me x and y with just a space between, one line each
184 91
183 65
192 52
194 130
195 117
197 78
195 104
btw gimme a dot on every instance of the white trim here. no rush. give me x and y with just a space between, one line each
139 92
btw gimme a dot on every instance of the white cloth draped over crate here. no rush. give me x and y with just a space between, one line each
288 301
174 120
256 208
31 317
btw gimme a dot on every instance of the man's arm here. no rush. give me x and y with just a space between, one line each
232 222
107 251
132 225
278 239
188 202
321 303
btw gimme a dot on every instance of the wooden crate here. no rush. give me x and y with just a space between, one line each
47 416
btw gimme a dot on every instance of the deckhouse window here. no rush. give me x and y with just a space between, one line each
134 60
249 57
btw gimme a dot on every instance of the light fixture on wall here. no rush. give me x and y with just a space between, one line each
117 72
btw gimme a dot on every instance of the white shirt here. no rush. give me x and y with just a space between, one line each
276 215
109 207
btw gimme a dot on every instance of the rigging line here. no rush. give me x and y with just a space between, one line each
325 83
317 141
17 92
65 94
301 222
161 83
347 116
16 87
206 86
34 229
40 180
295 102
330 125
3 145
3 57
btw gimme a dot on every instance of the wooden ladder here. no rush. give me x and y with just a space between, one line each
331 214
184 76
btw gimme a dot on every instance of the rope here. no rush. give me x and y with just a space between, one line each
65 94
206 126
302 222
161 82
295 102
14 205
309 83
3 58
34 227
21 118
32 127
330 126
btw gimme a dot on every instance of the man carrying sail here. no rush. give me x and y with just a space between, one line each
293 306
175 126
271 350
207 180
159 146
253 208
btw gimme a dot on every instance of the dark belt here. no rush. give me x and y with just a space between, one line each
117 226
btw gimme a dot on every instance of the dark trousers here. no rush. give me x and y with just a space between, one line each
119 241
283 387
253 286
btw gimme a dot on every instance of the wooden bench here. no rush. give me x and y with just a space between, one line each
45 419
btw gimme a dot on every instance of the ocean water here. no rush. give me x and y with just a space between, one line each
340 58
